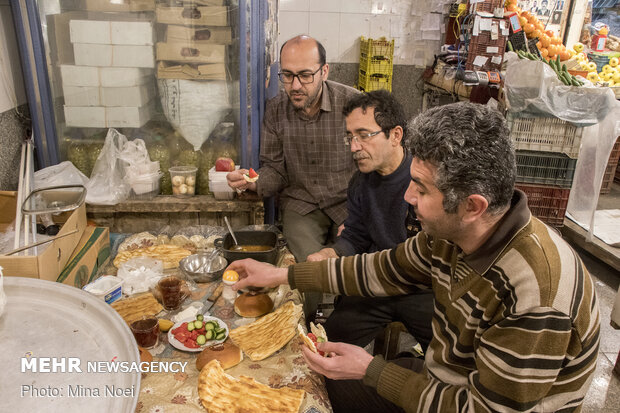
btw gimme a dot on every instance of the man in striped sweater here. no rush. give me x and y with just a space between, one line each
516 321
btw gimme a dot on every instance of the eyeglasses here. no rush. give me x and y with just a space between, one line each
361 138
304 77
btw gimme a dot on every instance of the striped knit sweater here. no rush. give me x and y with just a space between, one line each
516 323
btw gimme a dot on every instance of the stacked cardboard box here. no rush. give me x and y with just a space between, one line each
111 83
195 41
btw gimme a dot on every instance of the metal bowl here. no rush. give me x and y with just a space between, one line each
197 268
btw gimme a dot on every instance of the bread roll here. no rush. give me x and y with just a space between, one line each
253 305
226 353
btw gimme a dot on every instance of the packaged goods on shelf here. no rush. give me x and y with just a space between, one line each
115 5
197 16
109 96
191 53
121 32
198 34
113 55
173 70
108 117
104 76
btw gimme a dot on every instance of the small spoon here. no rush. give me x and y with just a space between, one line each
235 247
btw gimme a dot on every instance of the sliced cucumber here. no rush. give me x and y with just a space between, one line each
201 339
220 336
190 326
209 334
197 324
209 325
200 317
219 330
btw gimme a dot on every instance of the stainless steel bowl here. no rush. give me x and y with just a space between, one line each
196 267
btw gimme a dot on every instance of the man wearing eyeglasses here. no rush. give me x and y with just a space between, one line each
303 158
378 219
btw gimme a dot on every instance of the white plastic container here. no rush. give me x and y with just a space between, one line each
145 186
218 176
108 287
221 190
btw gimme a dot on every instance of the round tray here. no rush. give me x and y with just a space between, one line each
177 344
48 319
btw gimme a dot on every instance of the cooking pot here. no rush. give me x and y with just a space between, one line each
267 238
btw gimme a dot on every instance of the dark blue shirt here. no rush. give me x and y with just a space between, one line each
378 212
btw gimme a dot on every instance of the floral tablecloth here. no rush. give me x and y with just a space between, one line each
177 392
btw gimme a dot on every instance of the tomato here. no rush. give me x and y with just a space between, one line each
252 173
191 343
312 337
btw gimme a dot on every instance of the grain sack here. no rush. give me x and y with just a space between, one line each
193 107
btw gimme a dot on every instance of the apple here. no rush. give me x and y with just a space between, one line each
578 47
613 62
224 165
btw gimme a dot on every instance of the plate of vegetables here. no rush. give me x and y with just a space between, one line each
194 334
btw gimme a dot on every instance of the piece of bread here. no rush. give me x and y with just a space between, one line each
170 255
263 337
306 339
319 333
220 392
226 353
253 305
134 308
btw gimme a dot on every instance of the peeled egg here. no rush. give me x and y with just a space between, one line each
178 180
183 189
190 180
191 190
230 277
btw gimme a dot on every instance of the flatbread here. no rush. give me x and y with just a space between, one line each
268 334
170 255
220 392
134 308
307 341
135 241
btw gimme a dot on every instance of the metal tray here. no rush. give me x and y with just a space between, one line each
48 319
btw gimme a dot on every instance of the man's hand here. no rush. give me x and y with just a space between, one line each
237 182
323 254
340 229
345 361
257 274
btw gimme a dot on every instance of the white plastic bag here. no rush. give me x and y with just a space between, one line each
2 294
106 185
140 274
193 107
65 173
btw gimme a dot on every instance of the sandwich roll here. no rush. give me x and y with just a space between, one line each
316 335
253 305
226 353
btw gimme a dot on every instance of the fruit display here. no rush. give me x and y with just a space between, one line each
609 75
560 69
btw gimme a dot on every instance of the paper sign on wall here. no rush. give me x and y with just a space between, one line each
480 60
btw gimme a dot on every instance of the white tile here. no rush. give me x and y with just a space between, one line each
294 5
332 6
325 27
356 6
291 24
352 26
380 26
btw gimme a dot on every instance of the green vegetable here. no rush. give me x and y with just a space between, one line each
219 330
209 334
209 325
220 336
197 324
201 339
200 317
190 326
509 46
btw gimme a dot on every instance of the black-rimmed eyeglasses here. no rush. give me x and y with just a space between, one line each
303 77
361 138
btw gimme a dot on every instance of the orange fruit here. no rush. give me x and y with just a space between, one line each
544 53
552 50
528 28
526 14
522 21
536 33
564 55
556 40
545 40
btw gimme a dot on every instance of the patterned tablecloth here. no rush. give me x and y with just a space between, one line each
177 392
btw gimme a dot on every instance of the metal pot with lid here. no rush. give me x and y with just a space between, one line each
262 246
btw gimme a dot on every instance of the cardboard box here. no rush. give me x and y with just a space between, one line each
113 55
193 16
170 70
108 117
104 76
199 35
52 259
104 31
90 254
109 96
191 53
117 5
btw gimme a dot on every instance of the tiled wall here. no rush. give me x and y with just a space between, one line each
338 24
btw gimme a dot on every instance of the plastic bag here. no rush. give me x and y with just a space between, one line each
2 294
140 274
533 89
65 173
106 185
187 109
596 145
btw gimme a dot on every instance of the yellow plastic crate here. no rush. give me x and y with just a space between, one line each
379 48
369 83
382 66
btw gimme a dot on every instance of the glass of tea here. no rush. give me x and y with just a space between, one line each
171 294
146 331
